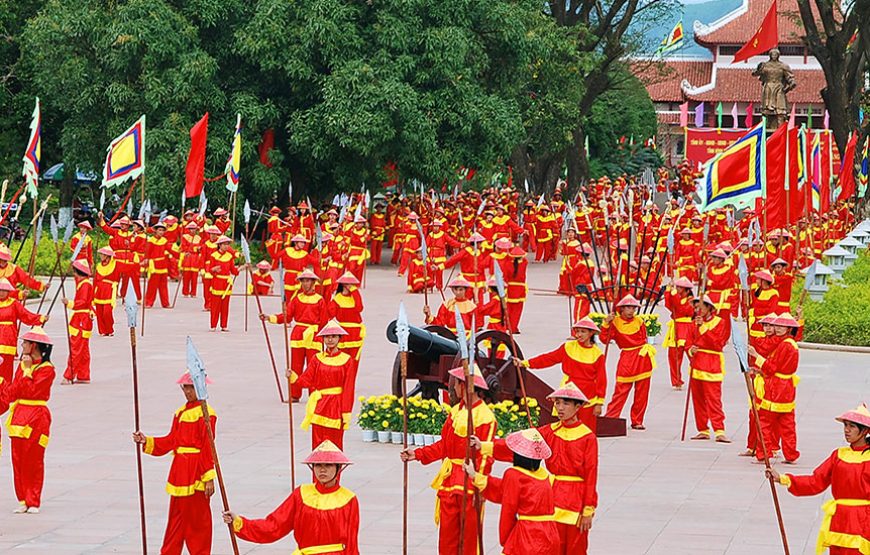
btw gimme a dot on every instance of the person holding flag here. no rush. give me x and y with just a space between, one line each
222 267
323 515
121 240
191 477
106 278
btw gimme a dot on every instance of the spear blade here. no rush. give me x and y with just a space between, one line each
196 368
38 235
67 234
131 307
246 212
423 245
461 335
246 250
499 280
403 330
52 227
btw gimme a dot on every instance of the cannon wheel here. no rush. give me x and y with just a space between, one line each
429 390
492 363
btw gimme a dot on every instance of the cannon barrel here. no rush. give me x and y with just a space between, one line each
425 343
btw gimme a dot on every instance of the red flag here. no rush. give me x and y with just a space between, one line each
846 179
775 204
684 114
195 170
796 192
765 38
267 143
748 121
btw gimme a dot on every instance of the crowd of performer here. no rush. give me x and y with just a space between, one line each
620 256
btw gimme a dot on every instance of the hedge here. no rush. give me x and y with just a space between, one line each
843 315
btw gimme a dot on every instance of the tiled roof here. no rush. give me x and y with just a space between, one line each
739 85
740 29
663 81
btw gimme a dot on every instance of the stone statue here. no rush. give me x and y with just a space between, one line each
776 79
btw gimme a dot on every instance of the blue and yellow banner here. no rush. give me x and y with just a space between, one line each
235 159
736 176
126 155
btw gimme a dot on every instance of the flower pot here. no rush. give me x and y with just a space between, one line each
651 340
397 438
419 439
384 436
369 436
428 439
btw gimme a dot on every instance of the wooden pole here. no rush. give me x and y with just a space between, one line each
144 294
217 469
404 367
138 450
520 378
269 345
289 389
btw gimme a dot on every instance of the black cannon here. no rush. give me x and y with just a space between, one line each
433 351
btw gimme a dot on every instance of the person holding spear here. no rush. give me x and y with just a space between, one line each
679 301
323 515
450 483
191 477
707 367
844 528
106 278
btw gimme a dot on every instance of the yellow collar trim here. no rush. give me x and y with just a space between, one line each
325 501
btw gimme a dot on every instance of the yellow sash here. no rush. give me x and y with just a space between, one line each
827 538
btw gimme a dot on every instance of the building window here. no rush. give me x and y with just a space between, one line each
788 50
728 50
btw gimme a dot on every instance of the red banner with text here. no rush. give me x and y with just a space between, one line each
703 144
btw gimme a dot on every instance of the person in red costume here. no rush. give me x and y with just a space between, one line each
777 410
222 267
450 451
12 315
158 258
526 524
222 220
763 346
346 306
295 259
209 246
26 399
514 270
190 484
844 529
446 315
582 364
636 360
330 378
707 366
87 250
191 259
473 264
323 515
308 312
722 280
16 275
678 300
783 279
378 227
262 280
106 278
81 325
573 465
121 241
763 300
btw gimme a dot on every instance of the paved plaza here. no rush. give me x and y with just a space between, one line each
657 495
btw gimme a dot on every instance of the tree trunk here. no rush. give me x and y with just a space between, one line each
578 162
519 161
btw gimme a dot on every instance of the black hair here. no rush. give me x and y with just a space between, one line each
526 463
44 351
79 272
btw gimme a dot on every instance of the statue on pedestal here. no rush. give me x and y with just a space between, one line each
777 79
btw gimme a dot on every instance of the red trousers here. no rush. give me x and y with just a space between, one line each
620 396
157 283
675 362
220 309
707 405
448 529
189 522
515 312
778 427
571 540
546 251
298 362
188 283
78 365
377 248
105 318
28 469
319 434
131 276
206 292
397 252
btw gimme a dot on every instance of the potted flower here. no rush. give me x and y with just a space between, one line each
653 326
367 419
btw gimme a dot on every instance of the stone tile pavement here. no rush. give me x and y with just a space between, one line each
658 495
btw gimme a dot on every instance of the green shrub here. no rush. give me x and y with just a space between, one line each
843 316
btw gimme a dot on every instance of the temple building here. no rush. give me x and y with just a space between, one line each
703 72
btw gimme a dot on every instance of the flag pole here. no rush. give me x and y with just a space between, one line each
289 373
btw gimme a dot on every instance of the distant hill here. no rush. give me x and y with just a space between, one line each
705 12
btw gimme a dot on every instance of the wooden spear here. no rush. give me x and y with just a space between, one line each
402 334
131 307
